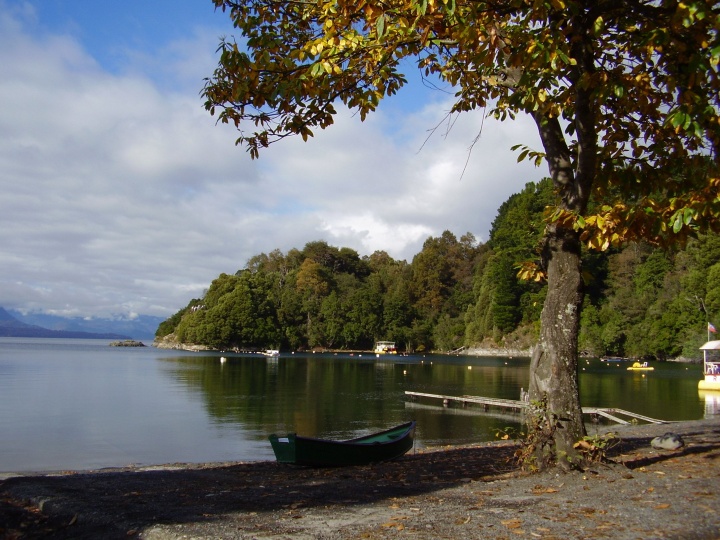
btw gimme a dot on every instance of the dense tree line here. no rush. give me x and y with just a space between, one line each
640 301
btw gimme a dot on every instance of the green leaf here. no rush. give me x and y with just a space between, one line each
598 25
688 216
678 223
316 70
678 119
715 51
380 25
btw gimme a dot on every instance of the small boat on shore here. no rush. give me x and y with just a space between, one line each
382 446
637 366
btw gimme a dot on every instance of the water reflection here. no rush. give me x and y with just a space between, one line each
669 392
78 404
712 402
343 396
337 396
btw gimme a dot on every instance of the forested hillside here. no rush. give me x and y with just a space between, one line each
640 301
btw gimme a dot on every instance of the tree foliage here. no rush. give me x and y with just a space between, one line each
633 84
306 299
625 96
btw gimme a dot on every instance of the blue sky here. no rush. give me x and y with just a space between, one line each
122 196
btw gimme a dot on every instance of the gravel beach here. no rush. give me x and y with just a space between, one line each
456 492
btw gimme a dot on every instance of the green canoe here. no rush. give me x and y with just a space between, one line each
382 446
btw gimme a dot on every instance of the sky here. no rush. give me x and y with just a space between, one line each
121 196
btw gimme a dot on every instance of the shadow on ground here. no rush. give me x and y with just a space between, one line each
251 496
111 504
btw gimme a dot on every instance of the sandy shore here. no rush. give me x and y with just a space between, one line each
460 492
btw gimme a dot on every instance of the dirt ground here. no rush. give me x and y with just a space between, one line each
458 492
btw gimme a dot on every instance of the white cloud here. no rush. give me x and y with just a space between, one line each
122 195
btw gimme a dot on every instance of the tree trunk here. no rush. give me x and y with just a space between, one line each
553 368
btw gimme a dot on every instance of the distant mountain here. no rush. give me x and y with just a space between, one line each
140 327
12 327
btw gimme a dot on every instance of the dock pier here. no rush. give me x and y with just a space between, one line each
520 406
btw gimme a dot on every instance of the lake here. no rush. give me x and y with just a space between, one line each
81 404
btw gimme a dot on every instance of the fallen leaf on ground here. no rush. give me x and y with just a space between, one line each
539 490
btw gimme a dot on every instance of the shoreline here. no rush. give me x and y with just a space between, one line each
621 430
481 352
475 351
465 492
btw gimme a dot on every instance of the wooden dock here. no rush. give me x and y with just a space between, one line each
520 406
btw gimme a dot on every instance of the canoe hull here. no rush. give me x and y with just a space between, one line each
382 446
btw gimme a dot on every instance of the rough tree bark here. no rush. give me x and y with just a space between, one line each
553 367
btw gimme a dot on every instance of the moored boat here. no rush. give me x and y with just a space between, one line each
382 446
271 352
711 366
385 347
637 366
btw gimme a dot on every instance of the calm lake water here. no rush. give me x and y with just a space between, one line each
80 404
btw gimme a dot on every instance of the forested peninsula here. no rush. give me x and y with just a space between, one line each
457 294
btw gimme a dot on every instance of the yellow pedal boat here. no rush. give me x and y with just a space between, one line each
637 366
